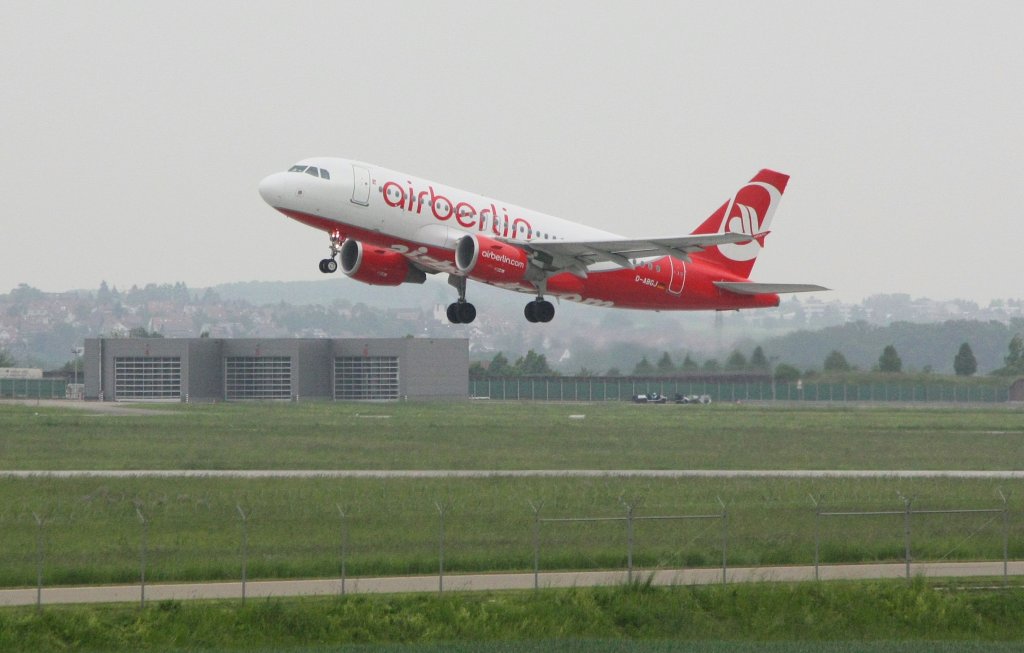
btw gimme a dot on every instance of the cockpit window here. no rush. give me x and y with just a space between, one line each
311 170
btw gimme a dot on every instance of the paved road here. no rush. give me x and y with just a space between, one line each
513 473
491 582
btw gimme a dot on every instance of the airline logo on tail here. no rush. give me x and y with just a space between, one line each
748 212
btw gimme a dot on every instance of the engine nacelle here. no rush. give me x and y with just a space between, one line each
377 266
486 259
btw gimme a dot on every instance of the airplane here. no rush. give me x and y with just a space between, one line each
388 228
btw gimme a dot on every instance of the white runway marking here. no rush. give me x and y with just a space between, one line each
515 473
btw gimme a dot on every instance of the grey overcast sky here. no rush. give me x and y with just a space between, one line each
135 133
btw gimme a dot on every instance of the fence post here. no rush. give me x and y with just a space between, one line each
629 542
245 549
343 545
142 558
442 508
725 539
536 543
906 531
1006 538
39 561
817 534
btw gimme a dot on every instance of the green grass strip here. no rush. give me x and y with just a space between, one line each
510 435
832 616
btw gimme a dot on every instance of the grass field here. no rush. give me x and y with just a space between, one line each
92 532
840 617
497 435
93 535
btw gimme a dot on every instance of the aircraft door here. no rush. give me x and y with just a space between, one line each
678 278
360 185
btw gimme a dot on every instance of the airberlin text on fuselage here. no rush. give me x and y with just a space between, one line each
467 215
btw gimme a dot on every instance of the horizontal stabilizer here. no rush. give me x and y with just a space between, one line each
752 288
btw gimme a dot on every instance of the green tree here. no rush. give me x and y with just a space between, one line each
6 360
890 361
499 366
836 362
140 332
533 364
758 360
476 370
736 361
1014 358
711 365
964 363
665 365
689 365
643 368
613 371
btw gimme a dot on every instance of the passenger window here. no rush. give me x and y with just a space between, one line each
324 174
311 170
296 168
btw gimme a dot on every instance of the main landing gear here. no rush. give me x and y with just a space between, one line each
461 311
539 310
330 264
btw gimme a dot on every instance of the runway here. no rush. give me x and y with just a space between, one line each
492 582
515 473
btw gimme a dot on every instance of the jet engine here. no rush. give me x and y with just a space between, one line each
486 259
377 266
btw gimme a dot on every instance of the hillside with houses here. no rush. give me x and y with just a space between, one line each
40 329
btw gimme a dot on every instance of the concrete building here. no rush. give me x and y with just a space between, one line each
214 369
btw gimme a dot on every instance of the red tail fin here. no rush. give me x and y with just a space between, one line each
750 212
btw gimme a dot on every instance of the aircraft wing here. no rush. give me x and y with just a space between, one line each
752 288
567 254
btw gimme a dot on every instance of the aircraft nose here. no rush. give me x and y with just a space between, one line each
272 189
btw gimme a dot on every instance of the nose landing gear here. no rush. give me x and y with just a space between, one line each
330 264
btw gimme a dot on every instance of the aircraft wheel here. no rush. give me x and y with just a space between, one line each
545 311
330 265
453 313
466 312
530 312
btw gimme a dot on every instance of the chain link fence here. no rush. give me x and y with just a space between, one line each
127 543
34 389
733 389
